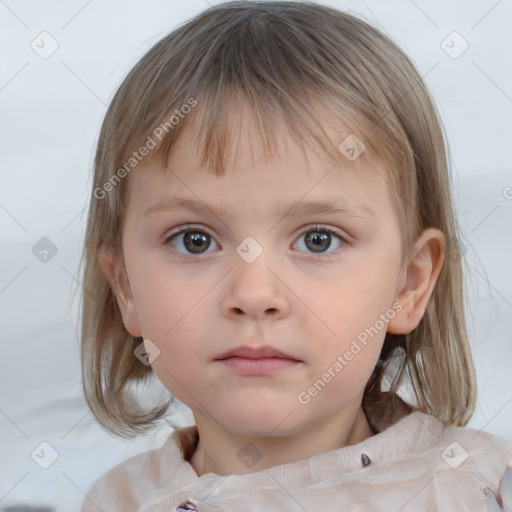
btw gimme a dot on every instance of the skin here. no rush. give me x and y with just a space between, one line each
194 307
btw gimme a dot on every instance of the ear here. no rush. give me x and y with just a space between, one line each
114 271
419 281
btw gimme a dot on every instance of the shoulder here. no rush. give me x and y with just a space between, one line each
486 456
470 460
476 450
130 483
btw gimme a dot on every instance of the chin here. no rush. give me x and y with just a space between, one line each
261 422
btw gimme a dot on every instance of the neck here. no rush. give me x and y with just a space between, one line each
225 453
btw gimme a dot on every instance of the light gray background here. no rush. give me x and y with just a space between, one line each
51 111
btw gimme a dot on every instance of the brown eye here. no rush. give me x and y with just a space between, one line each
190 241
320 239
196 242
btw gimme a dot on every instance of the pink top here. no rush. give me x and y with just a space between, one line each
417 465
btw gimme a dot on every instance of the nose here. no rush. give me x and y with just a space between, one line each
255 289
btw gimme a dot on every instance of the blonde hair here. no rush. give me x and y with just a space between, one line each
284 59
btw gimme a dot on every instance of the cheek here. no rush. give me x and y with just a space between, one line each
354 299
355 311
173 316
180 333
167 300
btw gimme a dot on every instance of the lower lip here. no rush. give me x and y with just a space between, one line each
261 366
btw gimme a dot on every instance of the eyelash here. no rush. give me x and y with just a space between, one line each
307 229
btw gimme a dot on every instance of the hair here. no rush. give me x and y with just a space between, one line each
284 60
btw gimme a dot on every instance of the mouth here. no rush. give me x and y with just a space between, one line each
248 360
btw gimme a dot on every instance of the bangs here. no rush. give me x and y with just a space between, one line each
223 116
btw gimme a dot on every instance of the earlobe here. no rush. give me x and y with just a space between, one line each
420 279
114 271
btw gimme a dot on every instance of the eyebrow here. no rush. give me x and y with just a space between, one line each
351 209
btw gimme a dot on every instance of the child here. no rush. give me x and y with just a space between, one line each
319 335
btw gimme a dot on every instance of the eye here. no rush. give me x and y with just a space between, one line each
319 238
192 240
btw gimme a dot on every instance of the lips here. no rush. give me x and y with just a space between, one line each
263 361
250 352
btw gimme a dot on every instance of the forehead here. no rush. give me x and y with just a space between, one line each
246 135
255 178
258 171
220 130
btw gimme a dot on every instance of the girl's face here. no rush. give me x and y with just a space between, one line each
317 284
